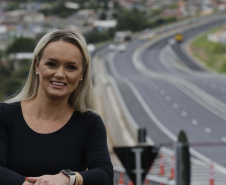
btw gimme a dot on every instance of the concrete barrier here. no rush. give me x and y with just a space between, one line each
110 108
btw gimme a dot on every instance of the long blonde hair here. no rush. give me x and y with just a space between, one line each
82 97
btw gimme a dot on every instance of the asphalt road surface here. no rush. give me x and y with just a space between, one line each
165 91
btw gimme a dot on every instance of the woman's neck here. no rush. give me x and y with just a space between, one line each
46 108
44 116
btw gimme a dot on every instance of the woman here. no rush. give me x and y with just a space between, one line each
48 132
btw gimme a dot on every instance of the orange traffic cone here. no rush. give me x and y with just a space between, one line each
121 179
172 170
211 174
150 169
146 182
130 183
161 167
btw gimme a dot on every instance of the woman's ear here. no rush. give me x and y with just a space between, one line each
36 65
83 72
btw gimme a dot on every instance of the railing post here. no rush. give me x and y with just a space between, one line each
142 135
182 160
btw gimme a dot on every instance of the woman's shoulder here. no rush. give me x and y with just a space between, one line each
90 116
8 111
91 113
9 105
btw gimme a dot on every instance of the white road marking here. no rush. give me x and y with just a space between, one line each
208 130
194 122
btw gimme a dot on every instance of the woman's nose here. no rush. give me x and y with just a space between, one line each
60 73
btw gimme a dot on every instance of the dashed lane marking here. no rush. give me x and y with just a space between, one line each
194 122
184 113
208 130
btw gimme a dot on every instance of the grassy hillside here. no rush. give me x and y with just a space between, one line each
213 55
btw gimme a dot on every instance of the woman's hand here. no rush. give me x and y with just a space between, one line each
58 179
27 183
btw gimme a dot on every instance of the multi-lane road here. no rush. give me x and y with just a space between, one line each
166 91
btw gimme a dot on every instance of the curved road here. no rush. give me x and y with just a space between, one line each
165 92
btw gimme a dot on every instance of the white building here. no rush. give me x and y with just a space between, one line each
105 24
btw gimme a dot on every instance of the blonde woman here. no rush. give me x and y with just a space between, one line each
49 133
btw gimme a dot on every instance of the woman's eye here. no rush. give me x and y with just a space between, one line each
72 68
51 64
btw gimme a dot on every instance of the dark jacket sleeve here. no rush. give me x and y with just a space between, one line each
7 177
100 169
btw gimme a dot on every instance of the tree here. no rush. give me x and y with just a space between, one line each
96 36
5 71
103 16
60 10
11 86
22 45
156 12
22 73
134 20
13 6
12 80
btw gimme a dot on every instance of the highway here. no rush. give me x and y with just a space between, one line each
166 91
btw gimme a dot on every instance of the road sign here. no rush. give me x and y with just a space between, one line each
137 160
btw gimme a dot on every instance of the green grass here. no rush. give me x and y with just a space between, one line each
213 55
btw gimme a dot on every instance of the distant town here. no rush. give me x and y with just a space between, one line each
23 22
30 18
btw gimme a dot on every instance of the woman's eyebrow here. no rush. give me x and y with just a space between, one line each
69 62
52 59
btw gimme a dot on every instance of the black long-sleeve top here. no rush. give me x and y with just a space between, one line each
80 145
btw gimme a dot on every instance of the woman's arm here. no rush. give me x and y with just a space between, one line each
58 179
100 169
7 177
27 183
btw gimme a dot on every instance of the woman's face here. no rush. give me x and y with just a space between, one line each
60 69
